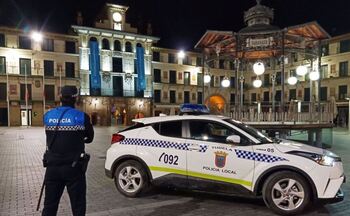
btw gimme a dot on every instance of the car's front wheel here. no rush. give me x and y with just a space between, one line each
286 193
130 178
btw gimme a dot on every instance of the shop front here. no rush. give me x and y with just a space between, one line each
115 111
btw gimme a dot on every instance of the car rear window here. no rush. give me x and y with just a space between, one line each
135 126
170 129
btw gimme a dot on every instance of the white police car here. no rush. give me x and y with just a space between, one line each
216 153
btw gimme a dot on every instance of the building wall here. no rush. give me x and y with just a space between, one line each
106 61
194 67
12 53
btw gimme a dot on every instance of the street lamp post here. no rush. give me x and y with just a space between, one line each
12 55
348 99
37 37
258 69
241 80
273 79
225 83
206 80
314 76
8 99
26 93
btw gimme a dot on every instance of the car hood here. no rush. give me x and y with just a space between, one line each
288 146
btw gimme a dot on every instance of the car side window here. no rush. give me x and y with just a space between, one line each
170 129
213 132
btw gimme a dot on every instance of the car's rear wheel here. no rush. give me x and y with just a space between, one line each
286 193
130 178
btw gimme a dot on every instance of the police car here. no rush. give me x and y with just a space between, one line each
219 154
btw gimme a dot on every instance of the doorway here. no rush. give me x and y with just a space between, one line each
118 86
3 117
26 117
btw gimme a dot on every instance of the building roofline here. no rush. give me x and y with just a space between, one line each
45 33
174 50
340 37
117 6
210 31
310 23
84 28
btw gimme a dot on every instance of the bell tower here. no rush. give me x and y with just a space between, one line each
116 15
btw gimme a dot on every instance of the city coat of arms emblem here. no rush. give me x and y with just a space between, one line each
220 159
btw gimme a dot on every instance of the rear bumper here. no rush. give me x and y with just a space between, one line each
108 173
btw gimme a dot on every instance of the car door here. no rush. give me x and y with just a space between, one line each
212 163
163 148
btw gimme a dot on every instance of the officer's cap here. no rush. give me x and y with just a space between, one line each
69 91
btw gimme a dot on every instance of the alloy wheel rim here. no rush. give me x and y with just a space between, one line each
288 194
130 179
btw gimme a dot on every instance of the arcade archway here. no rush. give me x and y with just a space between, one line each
216 104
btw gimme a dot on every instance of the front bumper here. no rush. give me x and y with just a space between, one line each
338 198
109 173
328 188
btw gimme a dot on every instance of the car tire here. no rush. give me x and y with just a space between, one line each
131 178
286 193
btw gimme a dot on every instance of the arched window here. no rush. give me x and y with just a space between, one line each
128 47
117 46
93 39
105 44
139 45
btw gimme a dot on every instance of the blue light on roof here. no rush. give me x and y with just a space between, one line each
194 108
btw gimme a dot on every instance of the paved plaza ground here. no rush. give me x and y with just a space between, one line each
21 175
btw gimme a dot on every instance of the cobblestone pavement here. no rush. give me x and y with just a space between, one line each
21 175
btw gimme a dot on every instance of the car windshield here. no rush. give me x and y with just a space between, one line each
251 131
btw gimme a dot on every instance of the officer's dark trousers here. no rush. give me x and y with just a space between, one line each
59 177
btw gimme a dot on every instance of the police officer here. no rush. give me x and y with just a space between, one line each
67 131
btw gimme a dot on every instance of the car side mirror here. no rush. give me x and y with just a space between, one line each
233 139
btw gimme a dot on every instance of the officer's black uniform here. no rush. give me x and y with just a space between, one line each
73 132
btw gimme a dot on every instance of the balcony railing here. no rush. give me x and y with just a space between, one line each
116 93
292 112
36 71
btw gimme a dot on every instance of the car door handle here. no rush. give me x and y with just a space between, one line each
194 147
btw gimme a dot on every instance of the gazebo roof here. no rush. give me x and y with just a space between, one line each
296 37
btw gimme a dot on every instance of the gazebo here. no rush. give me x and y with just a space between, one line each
258 43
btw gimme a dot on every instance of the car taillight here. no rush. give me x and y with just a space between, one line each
117 138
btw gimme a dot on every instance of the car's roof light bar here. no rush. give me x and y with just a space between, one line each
195 109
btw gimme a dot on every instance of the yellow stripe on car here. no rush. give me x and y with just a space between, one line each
201 175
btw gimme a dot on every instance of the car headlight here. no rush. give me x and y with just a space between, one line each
323 160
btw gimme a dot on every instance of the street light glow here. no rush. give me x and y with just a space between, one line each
181 54
225 82
301 70
257 83
259 68
292 80
37 36
314 75
207 78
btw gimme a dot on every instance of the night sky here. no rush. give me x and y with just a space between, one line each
179 23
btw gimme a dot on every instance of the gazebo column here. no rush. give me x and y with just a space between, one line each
282 76
236 74
319 55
